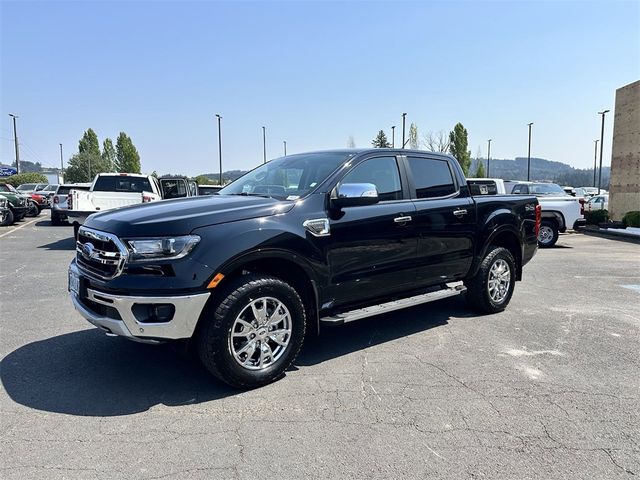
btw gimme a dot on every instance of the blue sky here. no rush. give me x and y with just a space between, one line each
313 72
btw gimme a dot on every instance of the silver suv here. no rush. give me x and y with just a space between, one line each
59 202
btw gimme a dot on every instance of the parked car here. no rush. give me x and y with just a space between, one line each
208 189
560 211
599 202
48 191
18 203
37 204
59 201
109 191
302 241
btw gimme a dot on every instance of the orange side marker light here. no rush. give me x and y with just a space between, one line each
215 280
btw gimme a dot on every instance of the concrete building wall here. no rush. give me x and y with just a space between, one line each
625 161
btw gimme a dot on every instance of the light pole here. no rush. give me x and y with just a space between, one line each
15 139
603 113
393 136
264 144
61 162
284 142
488 157
595 161
404 117
529 155
219 147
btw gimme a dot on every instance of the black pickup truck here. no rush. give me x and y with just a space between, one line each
300 242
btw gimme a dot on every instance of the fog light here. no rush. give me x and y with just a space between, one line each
153 312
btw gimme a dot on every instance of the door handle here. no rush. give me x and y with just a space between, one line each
404 219
460 212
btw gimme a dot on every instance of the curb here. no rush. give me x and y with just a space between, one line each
624 237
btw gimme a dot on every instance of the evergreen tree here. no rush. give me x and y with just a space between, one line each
127 157
381 140
109 153
459 144
89 143
413 136
480 173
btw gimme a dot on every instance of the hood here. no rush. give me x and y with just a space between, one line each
182 216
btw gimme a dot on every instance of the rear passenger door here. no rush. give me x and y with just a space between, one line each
444 220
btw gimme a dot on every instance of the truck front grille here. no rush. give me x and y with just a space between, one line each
100 254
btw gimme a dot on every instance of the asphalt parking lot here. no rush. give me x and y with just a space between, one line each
548 389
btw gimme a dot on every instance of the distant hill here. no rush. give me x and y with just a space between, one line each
228 176
542 169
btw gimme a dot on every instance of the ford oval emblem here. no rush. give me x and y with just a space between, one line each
87 250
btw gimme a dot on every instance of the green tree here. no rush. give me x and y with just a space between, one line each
89 143
84 166
203 180
127 157
480 173
459 144
381 140
413 136
109 153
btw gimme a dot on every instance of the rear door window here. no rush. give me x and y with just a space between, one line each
433 178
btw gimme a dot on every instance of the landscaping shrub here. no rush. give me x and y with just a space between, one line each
631 219
21 178
596 217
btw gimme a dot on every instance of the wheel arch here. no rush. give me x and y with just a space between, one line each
505 237
557 216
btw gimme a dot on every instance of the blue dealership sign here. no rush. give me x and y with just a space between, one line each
7 171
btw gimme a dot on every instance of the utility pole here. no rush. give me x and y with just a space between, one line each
15 139
595 162
219 147
61 162
264 144
284 142
529 155
393 136
488 157
603 113
404 116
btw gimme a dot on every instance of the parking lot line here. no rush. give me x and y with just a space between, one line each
18 228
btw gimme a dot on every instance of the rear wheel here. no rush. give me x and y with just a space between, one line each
253 333
34 210
548 234
490 290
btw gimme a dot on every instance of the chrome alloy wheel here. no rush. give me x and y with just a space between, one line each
260 334
499 281
545 235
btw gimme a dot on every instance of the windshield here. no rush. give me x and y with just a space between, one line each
288 178
27 186
546 189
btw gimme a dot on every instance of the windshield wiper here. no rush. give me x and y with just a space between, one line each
247 194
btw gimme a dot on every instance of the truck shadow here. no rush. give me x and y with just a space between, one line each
85 373
63 244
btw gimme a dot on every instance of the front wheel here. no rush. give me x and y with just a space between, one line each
34 210
548 234
8 219
490 290
251 335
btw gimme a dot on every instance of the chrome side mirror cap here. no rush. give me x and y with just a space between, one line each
354 195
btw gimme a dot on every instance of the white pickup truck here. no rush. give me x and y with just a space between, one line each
109 191
560 211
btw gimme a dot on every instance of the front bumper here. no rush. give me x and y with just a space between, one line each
118 316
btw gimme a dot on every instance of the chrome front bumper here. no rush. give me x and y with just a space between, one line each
182 325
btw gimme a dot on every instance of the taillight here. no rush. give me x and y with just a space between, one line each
56 199
582 202
538 219
146 198
69 202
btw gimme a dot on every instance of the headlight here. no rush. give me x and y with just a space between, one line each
163 248
3 202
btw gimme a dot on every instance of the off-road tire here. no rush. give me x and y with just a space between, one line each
8 220
548 241
477 287
216 322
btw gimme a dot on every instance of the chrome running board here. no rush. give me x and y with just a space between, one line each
449 291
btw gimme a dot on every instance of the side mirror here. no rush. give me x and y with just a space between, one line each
354 195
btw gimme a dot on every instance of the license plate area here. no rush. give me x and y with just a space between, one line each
74 282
